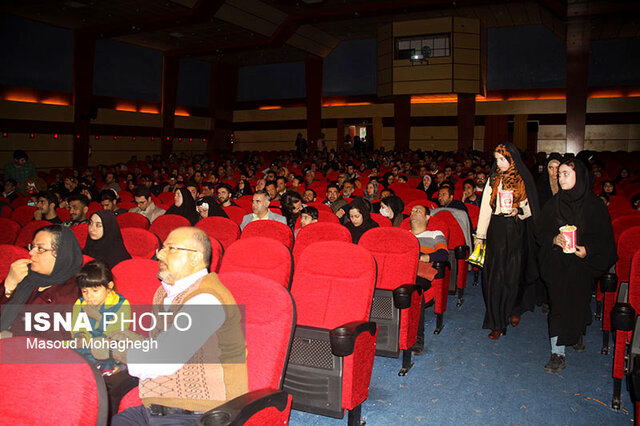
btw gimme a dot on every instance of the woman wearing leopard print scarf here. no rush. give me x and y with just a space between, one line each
510 267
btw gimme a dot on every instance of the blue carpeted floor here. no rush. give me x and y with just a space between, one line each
465 378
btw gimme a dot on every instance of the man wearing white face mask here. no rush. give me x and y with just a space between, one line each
391 207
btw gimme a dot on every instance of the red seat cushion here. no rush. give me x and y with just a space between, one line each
261 256
140 242
222 229
163 225
270 229
132 220
9 230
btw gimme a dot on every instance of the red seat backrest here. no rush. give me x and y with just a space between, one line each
63 214
410 194
622 223
270 229
6 211
140 242
618 201
49 386
81 232
628 245
245 202
28 231
474 214
23 214
166 197
132 220
235 213
423 202
333 284
381 220
319 231
222 229
634 282
20 201
268 326
260 256
125 197
9 230
321 207
9 254
163 225
94 206
399 187
396 252
137 280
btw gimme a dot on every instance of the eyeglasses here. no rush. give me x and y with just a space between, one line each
173 249
38 249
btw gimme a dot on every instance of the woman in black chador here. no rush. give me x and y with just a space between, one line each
569 276
510 270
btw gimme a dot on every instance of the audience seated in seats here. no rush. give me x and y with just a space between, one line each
208 206
9 192
109 201
433 248
334 200
428 185
145 205
360 221
105 241
98 296
208 359
291 206
46 204
260 207
46 278
469 195
225 195
445 199
308 215
78 209
391 207
184 205
309 196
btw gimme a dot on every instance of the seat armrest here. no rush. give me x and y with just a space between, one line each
461 252
402 295
623 293
343 338
440 267
240 409
608 282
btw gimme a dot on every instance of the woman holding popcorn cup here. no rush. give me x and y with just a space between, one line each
509 206
576 247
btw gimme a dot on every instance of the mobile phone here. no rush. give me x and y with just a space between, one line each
31 203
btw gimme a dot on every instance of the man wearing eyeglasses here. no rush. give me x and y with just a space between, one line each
207 361
145 205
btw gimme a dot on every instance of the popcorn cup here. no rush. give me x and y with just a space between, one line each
569 233
505 198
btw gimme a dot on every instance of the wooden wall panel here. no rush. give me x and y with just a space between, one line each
126 118
467 56
544 106
420 87
33 111
422 26
297 113
466 41
466 86
466 72
422 73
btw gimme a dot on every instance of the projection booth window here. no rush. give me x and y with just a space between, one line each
430 46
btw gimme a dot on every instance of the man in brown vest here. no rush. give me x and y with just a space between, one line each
198 364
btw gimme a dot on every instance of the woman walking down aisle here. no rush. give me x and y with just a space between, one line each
568 272
509 206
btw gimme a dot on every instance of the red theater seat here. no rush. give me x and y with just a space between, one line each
235 213
49 386
397 300
9 254
63 214
423 202
319 231
334 342
140 243
9 230
260 256
382 221
222 229
163 225
268 331
23 214
137 280
28 231
270 229
81 232
132 220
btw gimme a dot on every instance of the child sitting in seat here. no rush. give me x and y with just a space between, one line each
97 289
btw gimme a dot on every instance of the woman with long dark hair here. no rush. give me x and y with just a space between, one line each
291 206
509 207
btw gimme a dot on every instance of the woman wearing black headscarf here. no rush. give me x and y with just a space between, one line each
570 276
510 270
104 240
428 185
208 206
360 221
46 278
391 207
184 205
547 182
